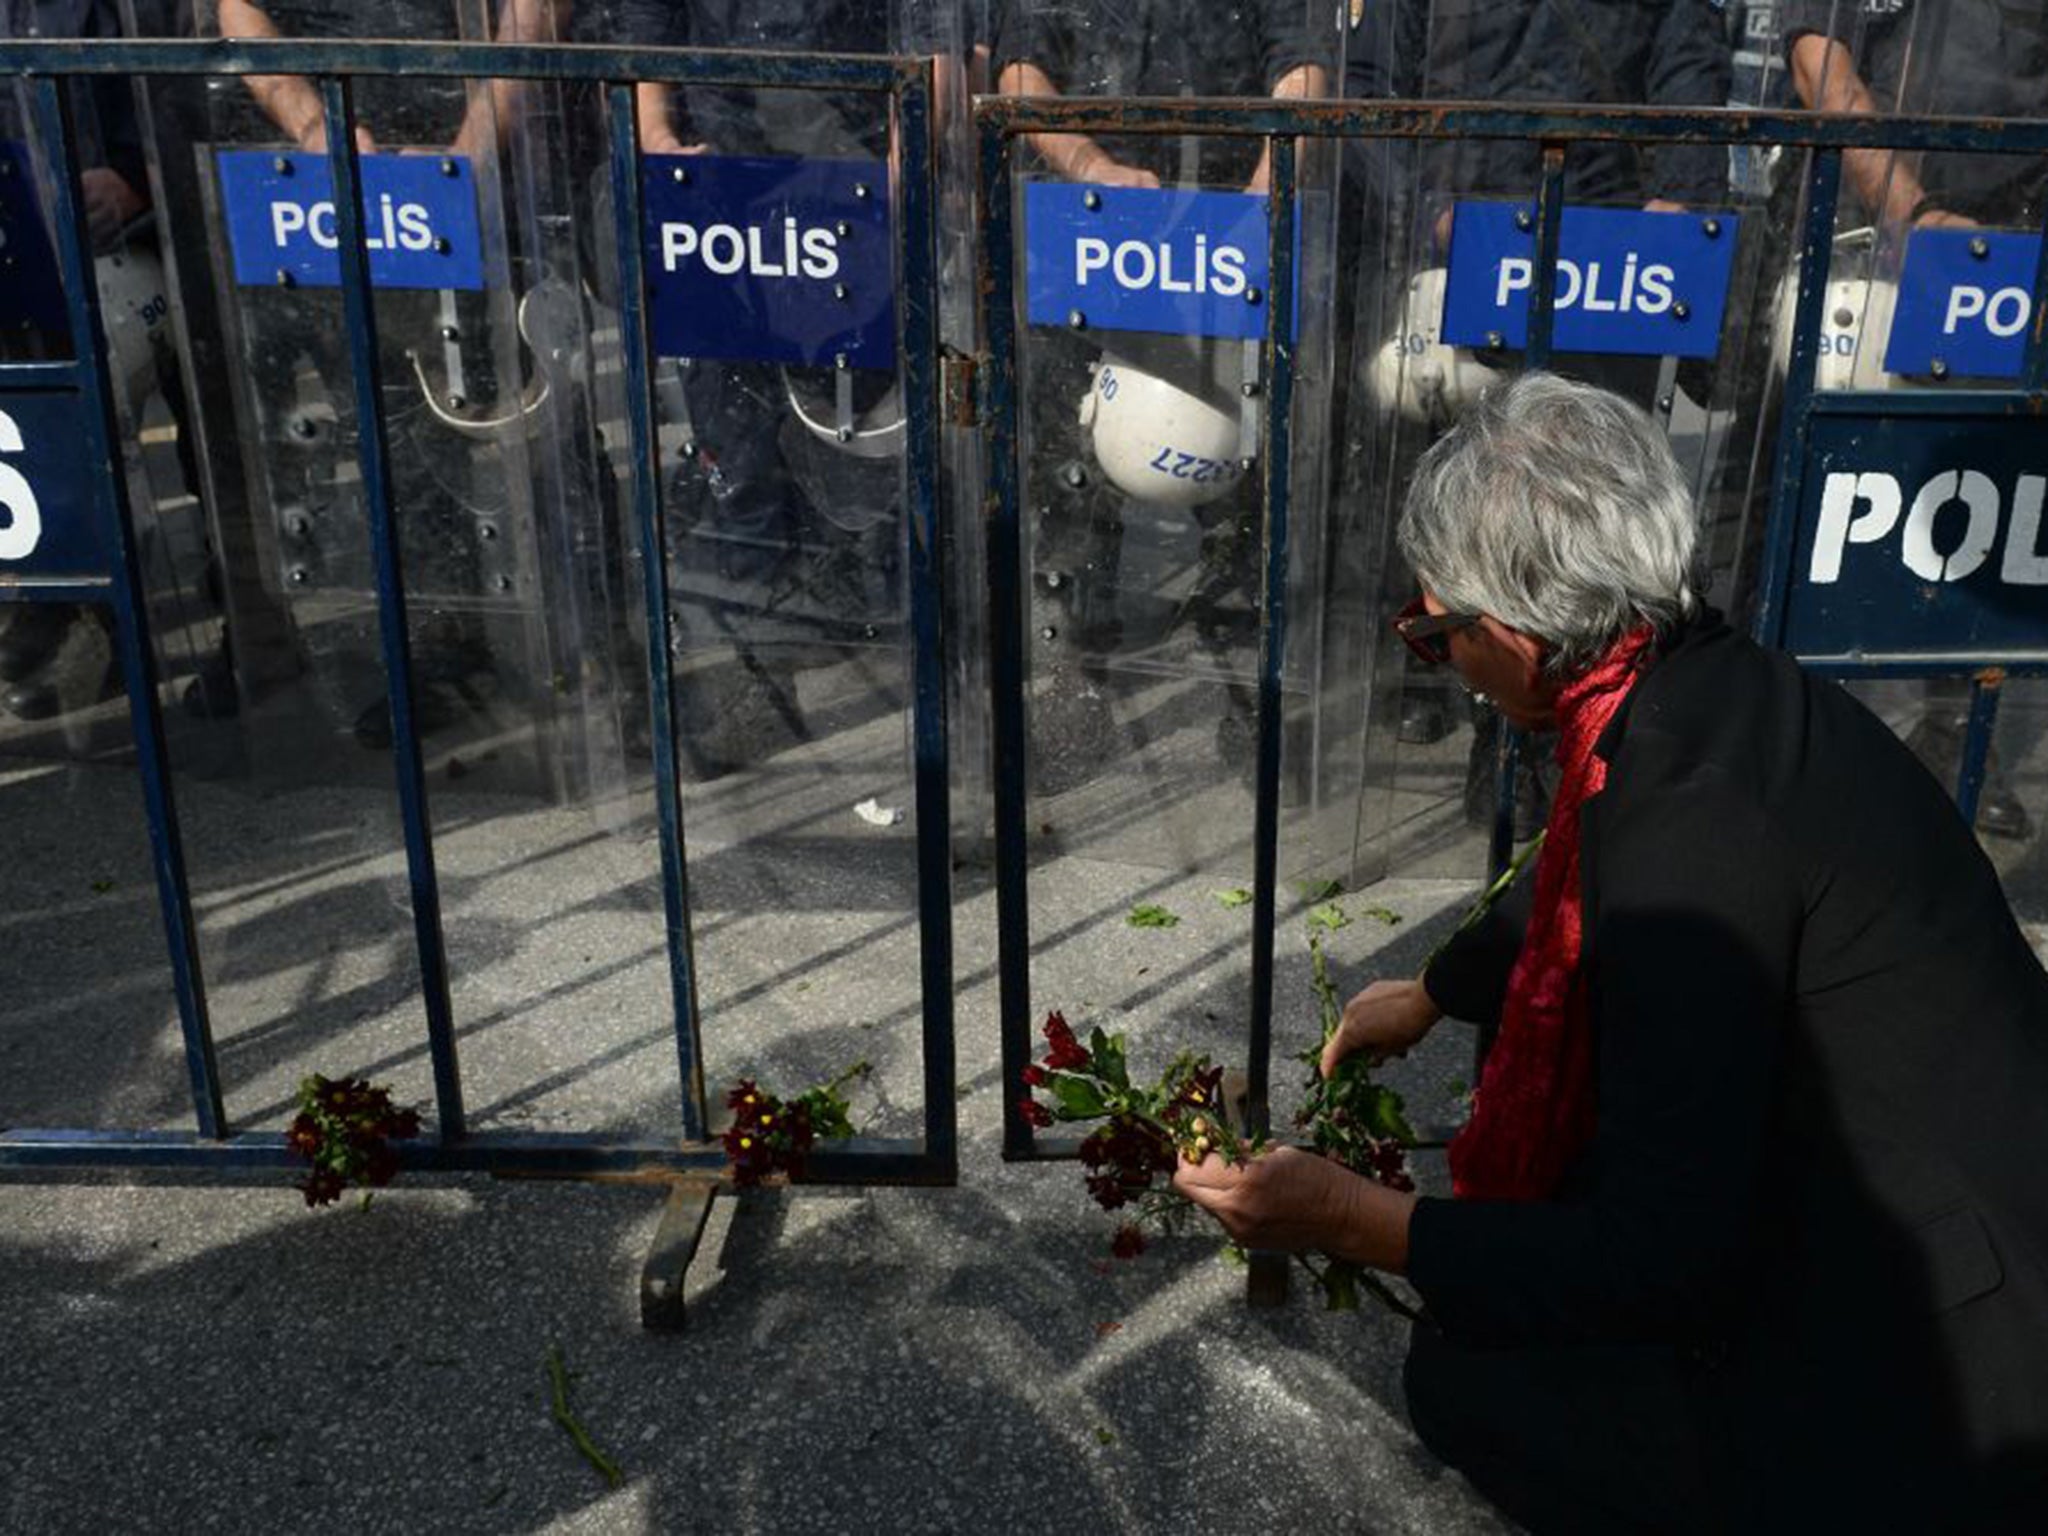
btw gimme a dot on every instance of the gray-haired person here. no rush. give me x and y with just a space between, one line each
1749 1228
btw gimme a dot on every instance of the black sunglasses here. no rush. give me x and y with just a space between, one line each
1428 634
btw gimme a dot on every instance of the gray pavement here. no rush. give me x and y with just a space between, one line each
194 1357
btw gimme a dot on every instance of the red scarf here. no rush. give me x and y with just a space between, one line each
1533 1112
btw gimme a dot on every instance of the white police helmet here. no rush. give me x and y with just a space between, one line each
1156 441
135 314
1855 324
1415 373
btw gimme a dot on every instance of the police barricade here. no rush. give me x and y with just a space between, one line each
1873 532
458 398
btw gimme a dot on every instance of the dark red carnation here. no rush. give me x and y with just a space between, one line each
1108 1193
1128 1243
304 1136
323 1186
1095 1149
1067 1053
380 1164
1033 1075
1034 1113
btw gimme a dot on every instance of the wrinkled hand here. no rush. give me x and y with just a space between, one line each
1385 1021
1285 1198
110 204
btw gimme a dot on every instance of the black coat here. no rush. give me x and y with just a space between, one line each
1820 1168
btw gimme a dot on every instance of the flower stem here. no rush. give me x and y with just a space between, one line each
558 1382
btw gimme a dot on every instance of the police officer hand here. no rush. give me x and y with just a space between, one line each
1663 205
1105 170
314 139
1941 218
110 204
1384 1021
663 141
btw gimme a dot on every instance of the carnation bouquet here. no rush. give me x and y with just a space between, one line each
1143 1130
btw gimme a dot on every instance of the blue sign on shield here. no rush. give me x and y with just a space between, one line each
1920 538
1628 282
1146 259
420 221
31 292
1966 299
49 522
770 260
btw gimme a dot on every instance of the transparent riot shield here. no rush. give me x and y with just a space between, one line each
1140 415
1668 260
526 677
91 1018
1931 282
776 262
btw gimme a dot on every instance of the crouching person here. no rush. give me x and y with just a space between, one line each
1750 1222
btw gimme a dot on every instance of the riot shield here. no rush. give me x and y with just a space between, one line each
1931 288
527 675
780 275
1140 390
91 1013
1667 252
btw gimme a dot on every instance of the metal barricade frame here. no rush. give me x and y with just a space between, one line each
906 85
999 120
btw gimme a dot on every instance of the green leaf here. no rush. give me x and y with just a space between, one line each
1385 915
1078 1097
1329 915
1383 1117
1104 1435
1108 1052
1236 896
101 887
1320 890
1148 915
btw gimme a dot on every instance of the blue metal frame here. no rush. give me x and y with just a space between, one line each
906 84
87 375
1276 425
1000 120
360 319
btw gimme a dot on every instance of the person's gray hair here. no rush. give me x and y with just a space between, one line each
1558 509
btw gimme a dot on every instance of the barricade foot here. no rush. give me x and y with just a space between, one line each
675 1245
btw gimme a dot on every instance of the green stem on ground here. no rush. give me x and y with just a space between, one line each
558 1382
